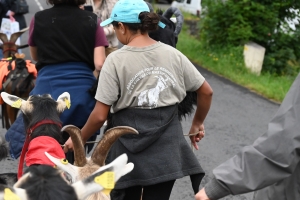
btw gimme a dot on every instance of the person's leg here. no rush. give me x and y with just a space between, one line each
133 193
1 54
196 180
161 191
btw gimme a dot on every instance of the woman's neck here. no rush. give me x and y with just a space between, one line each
140 40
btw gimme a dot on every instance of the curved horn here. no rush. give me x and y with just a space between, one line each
109 137
179 18
15 36
79 152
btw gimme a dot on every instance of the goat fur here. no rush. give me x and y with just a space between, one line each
39 107
47 183
3 148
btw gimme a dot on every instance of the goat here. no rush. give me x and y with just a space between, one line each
42 123
17 75
10 47
86 166
47 183
41 120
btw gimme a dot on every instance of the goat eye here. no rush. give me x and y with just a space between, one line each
64 161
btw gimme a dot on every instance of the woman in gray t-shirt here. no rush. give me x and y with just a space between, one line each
141 84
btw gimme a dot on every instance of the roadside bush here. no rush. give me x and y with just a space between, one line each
235 22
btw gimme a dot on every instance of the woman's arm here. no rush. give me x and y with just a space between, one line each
99 57
204 98
32 46
95 121
99 50
271 158
33 53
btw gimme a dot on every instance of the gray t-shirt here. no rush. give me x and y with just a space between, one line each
146 77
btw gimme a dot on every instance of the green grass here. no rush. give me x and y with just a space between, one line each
228 62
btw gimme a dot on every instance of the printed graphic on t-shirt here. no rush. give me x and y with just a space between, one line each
150 97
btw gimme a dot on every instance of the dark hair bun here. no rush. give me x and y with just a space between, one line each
149 21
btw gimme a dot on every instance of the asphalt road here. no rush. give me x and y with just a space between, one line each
236 118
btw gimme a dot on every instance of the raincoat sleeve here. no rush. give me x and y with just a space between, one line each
272 157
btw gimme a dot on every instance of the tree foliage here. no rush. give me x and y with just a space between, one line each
235 22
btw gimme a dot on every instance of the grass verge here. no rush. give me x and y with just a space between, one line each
228 62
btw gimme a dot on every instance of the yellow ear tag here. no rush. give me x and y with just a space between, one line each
17 104
106 180
68 104
9 195
64 161
106 191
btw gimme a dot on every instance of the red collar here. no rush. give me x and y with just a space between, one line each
45 121
26 143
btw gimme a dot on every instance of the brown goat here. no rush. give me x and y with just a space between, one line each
9 47
18 81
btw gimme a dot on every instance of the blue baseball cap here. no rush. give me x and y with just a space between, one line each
128 11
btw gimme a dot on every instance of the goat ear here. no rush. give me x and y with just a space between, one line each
63 101
22 180
14 37
12 100
63 165
3 37
104 178
13 193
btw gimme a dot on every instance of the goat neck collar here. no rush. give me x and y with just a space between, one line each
27 140
42 122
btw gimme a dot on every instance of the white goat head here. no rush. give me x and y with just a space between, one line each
45 182
27 106
86 166
39 107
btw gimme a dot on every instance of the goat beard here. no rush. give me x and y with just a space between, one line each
37 148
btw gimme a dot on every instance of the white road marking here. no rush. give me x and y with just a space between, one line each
39 5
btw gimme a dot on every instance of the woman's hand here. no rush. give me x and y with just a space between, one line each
11 16
196 134
201 195
68 146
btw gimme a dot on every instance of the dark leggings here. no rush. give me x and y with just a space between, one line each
160 191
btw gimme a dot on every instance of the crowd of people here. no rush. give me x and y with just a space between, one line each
140 85
8 9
